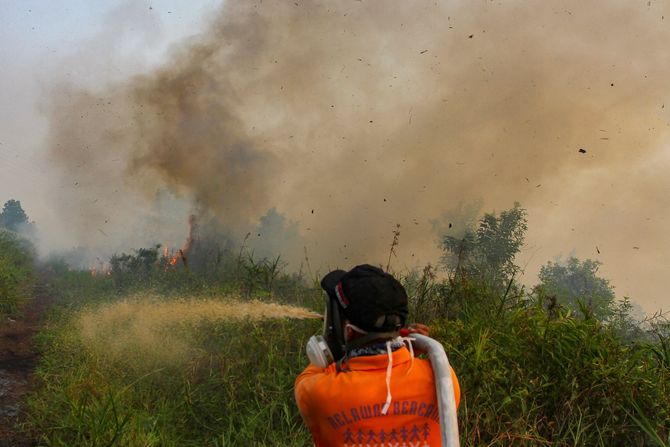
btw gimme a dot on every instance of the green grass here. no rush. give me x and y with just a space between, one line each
533 380
233 385
531 375
16 271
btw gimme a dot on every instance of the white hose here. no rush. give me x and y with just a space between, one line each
446 400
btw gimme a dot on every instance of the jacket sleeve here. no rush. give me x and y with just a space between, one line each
305 389
302 386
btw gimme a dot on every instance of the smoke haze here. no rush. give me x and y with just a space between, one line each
349 117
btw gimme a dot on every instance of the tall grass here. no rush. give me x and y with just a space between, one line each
534 374
16 271
130 368
135 373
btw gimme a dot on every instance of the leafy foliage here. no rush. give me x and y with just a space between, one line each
487 253
530 379
575 284
426 294
141 263
16 271
481 267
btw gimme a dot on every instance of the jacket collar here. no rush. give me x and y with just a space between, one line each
370 362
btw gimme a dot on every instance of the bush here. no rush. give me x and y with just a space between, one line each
16 271
529 379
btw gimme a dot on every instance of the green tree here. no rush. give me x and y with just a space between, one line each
12 216
130 270
576 285
625 320
487 253
141 263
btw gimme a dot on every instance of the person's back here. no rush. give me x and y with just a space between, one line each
377 393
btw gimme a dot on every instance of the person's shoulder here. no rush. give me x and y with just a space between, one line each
315 385
312 373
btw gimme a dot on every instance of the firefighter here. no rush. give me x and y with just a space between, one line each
364 385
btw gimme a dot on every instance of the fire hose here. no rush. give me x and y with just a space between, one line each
444 386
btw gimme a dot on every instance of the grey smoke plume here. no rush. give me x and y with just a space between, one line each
352 116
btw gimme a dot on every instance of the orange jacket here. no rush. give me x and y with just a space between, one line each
344 409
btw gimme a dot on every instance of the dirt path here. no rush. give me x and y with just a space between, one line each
18 359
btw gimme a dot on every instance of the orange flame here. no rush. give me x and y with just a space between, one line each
101 269
171 257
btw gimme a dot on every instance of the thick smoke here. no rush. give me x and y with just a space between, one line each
352 116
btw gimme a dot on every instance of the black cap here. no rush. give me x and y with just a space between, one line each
369 298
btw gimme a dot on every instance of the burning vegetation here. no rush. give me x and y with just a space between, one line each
171 257
296 106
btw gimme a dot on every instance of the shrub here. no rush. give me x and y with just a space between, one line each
530 379
16 271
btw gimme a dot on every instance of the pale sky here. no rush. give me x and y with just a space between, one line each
38 37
